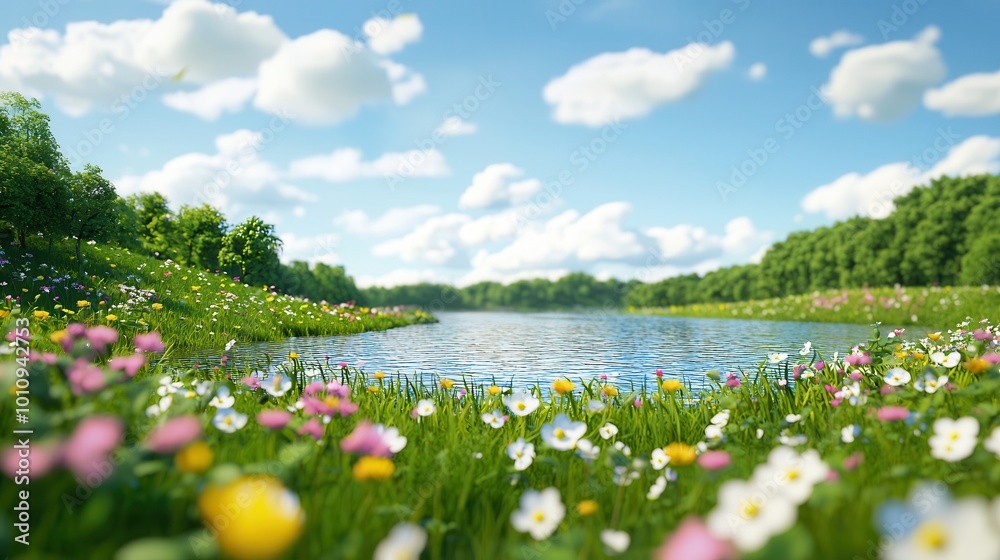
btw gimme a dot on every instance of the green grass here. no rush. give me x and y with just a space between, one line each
937 307
191 309
455 480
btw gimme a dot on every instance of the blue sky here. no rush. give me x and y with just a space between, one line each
337 130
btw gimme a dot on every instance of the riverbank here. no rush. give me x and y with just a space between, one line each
937 306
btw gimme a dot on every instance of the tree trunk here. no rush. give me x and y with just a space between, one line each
79 259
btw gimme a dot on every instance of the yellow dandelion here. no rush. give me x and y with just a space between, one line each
373 468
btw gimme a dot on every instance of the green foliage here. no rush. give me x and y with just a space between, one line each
157 224
321 282
200 231
981 265
250 251
88 216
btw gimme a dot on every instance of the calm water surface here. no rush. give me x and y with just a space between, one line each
525 348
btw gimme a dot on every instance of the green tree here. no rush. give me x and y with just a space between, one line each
981 265
200 231
89 214
157 224
250 251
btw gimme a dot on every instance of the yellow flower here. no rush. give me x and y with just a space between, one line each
293 355
563 386
195 288
111 318
195 458
102 303
373 468
184 278
373 389
901 355
977 365
680 454
58 336
586 507
69 312
41 315
253 518
270 299
447 383
609 390
4 313
379 375
672 385
936 336
493 390
82 303
157 306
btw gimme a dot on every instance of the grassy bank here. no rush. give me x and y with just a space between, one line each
190 308
791 461
936 306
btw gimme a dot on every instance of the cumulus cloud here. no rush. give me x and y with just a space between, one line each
495 185
348 164
974 95
394 220
389 36
822 46
455 126
434 241
757 71
491 228
211 101
310 248
630 84
688 245
872 193
885 82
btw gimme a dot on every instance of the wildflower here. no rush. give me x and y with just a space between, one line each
992 443
892 413
522 453
626 450
947 361
41 458
270 517
848 433
586 508
951 529
293 356
312 428
608 431
793 418
934 336
222 399
40 315
101 337
721 418
672 385
4 313
82 304
659 459
680 454
86 452
150 342
563 386
929 383
128 364
278 385
748 518
786 438
976 366
615 542
425 407
495 419
713 432
563 433
405 542
251 381
521 403
732 380
777 357
897 376
806 348
86 378
609 391
273 419
714 460
594 406
365 440
540 513
390 436
174 434
111 317
228 420
954 440
379 375
692 540
157 306
659 485
373 468
195 458
798 473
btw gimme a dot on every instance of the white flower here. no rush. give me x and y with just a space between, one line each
595 406
167 386
713 432
495 419
228 420
848 433
787 439
950 531
405 542
278 385
222 399
522 453
608 430
949 361
521 403
659 459
202 389
760 433
624 476
540 513
425 407
853 394
954 440
391 437
806 348
615 542
657 488
312 372
777 357
992 443
930 384
626 450
230 344
721 419
563 433
795 475
793 418
897 376
748 517
587 450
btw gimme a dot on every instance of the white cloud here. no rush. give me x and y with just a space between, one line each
871 194
493 186
310 248
348 164
455 126
389 36
403 277
229 95
394 220
434 241
974 95
491 228
480 275
688 245
757 71
630 84
884 82
822 46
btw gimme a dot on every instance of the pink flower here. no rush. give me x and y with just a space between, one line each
854 460
336 388
836 402
732 380
892 413
129 364
830 388
659 373
993 358
46 358
86 451
887 390
856 376
149 342
174 434
101 337
858 359
312 428
76 330
41 458
251 381
982 334
714 460
342 365
819 366
86 378
365 440
693 541
273 419
313 388
637 402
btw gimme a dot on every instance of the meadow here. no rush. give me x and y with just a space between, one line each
886 450
936 306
